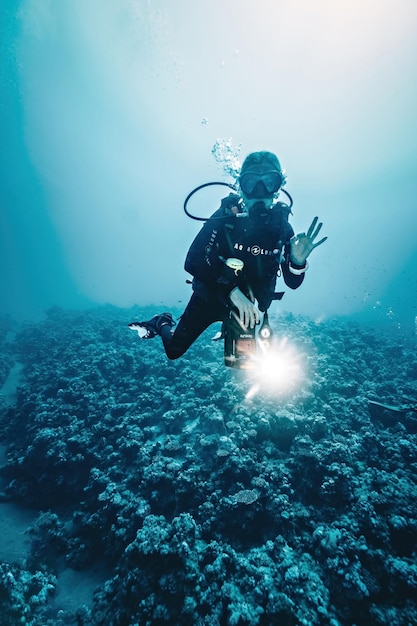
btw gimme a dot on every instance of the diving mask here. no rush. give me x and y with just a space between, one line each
272 181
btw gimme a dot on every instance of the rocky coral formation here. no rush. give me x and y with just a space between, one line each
204 503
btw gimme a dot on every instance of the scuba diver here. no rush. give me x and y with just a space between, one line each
236 257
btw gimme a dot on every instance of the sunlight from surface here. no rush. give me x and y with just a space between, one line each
111 110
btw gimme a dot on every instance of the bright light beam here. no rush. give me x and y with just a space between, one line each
277 369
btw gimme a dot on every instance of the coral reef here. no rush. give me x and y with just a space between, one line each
204 504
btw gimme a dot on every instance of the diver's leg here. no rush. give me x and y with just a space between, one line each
197 316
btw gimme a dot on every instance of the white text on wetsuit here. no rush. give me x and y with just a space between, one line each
255 250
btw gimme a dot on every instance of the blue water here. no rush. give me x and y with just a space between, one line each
109 116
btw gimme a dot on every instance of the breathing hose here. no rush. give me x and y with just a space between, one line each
204 219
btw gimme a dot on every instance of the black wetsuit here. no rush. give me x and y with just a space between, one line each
261 241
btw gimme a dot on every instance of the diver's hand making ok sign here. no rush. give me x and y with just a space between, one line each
302 245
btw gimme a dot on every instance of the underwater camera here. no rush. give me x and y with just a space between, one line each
241 342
